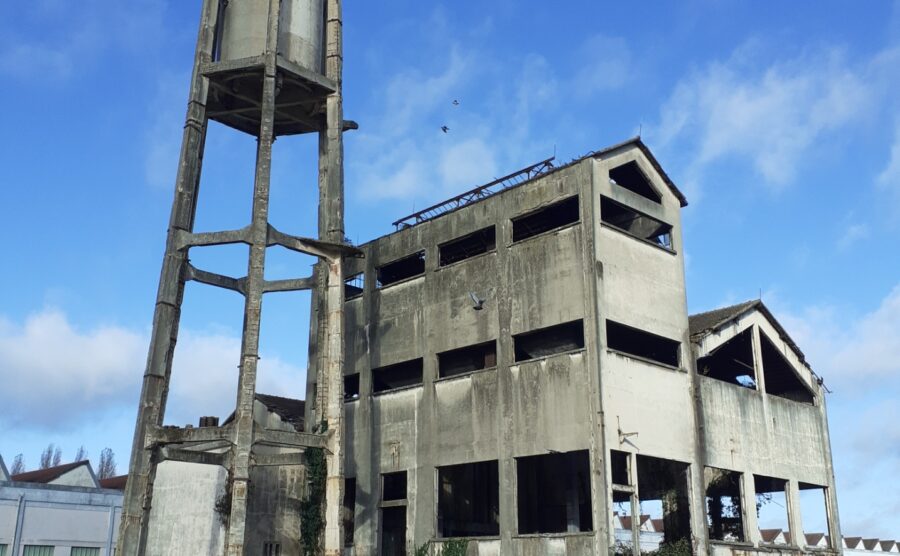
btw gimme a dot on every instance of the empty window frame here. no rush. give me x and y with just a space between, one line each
467 359
631 341
625 504
631 177
543 342
400 375
663 497
469 500
271 549
781 379
354 286
814 515
724 510
351 387
84 551
476 243
635 223
732 361
348 510
393 486
547 218
401 269
554 493
772 509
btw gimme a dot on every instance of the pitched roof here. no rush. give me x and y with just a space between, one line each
769 535
812 539
659 525
852 542
702 324
870 544
886 546
115 483
49 474
290 410
639 143
4 474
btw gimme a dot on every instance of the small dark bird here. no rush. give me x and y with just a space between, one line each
455 102
445 129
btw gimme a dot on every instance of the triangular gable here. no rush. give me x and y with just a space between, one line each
4 473
78 473
654 163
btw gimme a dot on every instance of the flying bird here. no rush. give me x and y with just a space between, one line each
455 102
445 129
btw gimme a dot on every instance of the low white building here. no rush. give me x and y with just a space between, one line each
59 511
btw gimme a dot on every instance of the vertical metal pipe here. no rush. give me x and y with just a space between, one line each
331 228
246 394
139 489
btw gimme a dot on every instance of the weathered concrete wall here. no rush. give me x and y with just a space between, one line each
183 519
80 476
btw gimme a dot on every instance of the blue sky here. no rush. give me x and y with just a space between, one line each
780 121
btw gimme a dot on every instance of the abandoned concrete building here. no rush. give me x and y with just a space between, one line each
521 371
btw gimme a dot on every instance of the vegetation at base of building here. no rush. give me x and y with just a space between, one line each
455 547
312 522
423 549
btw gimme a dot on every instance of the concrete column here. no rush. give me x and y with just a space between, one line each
795 520
748 505
151 411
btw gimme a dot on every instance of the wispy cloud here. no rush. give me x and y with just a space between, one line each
853 233
56 375
889 178
771 115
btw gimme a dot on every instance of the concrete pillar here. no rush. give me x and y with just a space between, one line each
795 519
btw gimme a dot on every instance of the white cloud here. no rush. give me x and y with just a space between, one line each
771 116
57 375
889 178
852 234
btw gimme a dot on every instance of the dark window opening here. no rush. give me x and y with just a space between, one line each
639 343
732 361
353 286
469 500
781 379
814 514
271 549
401 269
619 464
635 223
351 387
554 493
467 246
561 338
393 531
631 177
724 514
401 375
663 497
771 509
393 486
348 513
467 359
545 219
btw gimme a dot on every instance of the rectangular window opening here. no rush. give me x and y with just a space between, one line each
272 549
545 219
469 500
622 517
354 286
467 359
631 177
351 387
663 497
554 493
724 514
348 511
772 509
732 361
476 243
561 338
400 375
401 269
814 515
623 338
781 379
635 223
619 464
393 486
37 550
84 551
393 531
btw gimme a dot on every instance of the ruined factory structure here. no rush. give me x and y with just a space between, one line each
520 370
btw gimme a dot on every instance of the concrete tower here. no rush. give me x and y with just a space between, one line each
267 68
